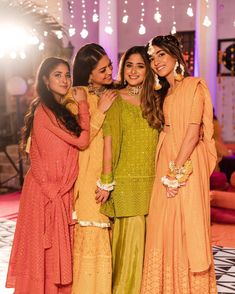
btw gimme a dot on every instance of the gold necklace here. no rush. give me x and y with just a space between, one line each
134 90
96 90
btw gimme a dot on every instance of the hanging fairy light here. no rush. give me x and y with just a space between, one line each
173 29
59 34
108 28
207 21
190 10
125 14
95 16
84 32
72 30
157 15
142 29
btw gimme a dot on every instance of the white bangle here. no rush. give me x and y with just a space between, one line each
170 183
107 187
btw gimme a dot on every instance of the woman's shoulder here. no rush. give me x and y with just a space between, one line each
194 81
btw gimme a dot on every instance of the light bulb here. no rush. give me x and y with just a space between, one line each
108 30
190 11
95 17
206 21
125 18
158 17
142 29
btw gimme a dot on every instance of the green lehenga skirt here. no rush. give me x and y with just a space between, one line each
128 254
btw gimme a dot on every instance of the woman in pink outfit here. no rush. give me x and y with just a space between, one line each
41 257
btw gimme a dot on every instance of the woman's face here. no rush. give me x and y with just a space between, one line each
59 81
134 70
102 74
162 63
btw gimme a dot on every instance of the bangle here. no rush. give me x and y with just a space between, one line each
181 174
107 187
106 178
170 183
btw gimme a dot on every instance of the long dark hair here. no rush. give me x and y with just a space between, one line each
65 117
153 108
147 93
85 61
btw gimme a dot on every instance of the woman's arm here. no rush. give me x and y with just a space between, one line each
84 120
188 145
104 103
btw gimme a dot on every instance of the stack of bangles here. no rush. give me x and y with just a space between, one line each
177 176
106 182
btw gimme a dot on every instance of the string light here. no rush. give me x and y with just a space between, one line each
125 14
72 30
173 29
157 15
59 34
84 31
59 10
207 21
45 6
108 28
41 46
142 29
190 10
95 16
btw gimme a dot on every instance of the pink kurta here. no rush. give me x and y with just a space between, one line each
41 257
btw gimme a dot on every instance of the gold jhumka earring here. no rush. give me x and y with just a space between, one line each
178 76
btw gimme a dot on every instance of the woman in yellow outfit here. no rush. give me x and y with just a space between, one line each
178 256
92 272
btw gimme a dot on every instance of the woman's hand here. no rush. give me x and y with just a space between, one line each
106 100
101 195
79 94
171 192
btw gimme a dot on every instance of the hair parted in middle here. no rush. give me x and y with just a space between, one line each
171 46
85 61
46 97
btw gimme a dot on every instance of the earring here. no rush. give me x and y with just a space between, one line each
157 85
48 87
178 76
124 82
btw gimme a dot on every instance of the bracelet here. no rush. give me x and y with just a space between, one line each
181 174
107 187
170 183
106 178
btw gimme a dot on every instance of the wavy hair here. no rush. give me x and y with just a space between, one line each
153 108
147 93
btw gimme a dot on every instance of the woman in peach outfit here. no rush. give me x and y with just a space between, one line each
178 257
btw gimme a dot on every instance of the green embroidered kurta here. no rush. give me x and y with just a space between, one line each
133 154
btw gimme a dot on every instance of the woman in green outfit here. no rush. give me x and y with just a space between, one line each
128 169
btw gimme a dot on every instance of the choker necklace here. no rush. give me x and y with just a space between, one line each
96 90
135 90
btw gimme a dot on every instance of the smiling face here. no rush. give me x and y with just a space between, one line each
162 63
134 70
102 74
58 81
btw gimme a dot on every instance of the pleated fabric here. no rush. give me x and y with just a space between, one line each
128 254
